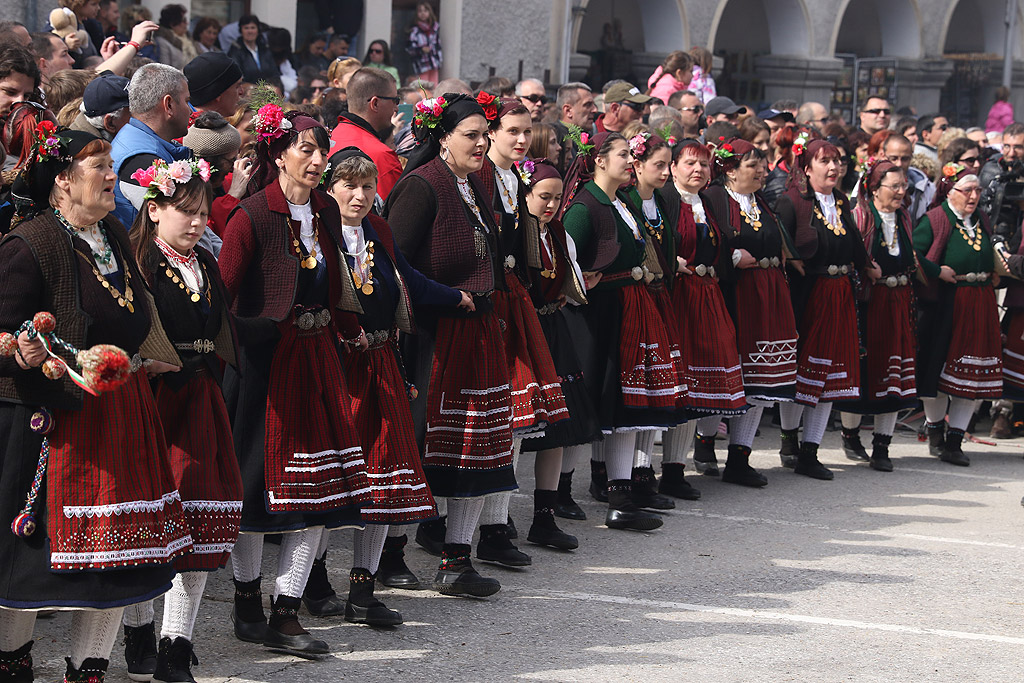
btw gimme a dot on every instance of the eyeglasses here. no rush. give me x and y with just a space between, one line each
972 161
878 112
535 98
902 187
695 108
396 99
973 192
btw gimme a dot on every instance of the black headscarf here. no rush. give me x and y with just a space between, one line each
336 159
30 191
459 108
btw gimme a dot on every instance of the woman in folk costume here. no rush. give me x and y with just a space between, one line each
625 345
756 291
960 361
86 483
889 319
193 306
302 465
558 283
445 228
829 252
537 399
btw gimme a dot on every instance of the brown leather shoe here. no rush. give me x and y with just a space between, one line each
1001 428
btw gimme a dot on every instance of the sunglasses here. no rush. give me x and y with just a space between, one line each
969 160
638 108
878 112
376 51
695 108
535 98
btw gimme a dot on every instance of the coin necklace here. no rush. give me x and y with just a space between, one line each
307 261
182 261
365 286
975 241
123 300
837 228
545 238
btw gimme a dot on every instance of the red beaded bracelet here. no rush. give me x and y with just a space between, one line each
134 44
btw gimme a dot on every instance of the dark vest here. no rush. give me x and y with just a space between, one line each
603 249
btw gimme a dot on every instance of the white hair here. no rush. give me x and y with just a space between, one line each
150 84
519 85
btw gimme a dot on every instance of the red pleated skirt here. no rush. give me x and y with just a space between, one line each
111 497
663 301
711 362
314 461
537 398
198 435
766 334
649 375
974 361
891 345
828 364
380 407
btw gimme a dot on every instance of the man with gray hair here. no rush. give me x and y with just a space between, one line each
575 105
812 115
532 93
158 101
104 109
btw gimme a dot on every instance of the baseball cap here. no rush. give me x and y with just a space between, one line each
105 94
722 105
766 114
626 92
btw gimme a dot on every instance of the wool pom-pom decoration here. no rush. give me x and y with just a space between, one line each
41 422
8 344
44 322
54 369
104 367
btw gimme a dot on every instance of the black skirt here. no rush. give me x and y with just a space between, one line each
26 579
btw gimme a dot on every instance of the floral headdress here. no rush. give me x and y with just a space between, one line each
800 143
489 103
526 168
723 151
580 138
162 177
951 170
48 144
428 112
638 144
269 122
666 134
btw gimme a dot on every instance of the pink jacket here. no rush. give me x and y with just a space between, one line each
662 85
999 117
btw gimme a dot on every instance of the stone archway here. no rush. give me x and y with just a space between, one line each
976 26
873 28
740 26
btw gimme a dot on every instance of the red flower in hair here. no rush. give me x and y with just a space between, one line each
489 103
727 147
46 126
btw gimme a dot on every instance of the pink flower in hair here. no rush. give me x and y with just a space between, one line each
180 171
203 167
585 138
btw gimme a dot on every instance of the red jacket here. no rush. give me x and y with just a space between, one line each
353 131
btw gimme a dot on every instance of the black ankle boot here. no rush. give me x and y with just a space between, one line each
430 535
544 531
140 651
789 447
952 452
738 469
566 507
247 613
495 545
880 453
362 607
645 490
174 661
674 484
319 596
936 437
704 460
456 575
852 445
623 514
393 571
808 464
93 670
16 665
284 632
599 481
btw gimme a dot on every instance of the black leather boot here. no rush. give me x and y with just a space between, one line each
16 665
952 452
645 491
623 514
430 535
880 453
456 575
704 460
567 507
247 613
495 545
599 481
284 632
789 447
544 531
174 661
852 445
936 437
674 484
393 571
140 651
362 607
738 469
809 465
93 670
319 596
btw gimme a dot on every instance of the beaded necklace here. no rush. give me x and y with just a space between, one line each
545 238
466 192
508 196
655 229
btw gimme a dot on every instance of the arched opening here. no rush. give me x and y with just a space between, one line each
873 28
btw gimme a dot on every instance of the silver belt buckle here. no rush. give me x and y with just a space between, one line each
833 270
765 262
971 277
776 261
136 363
510 261
712 272
305 321
891 281
904 280
323 318
701 270
637 273
202 346
982 277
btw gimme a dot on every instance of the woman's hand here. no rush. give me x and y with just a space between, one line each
31 352
798 266
681 266
142 31
361 343
158 367
467 302
240 172
590 279
746 259
109 48
874 272
397 120
562 300
947 274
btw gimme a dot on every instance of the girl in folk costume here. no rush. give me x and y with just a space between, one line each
652 162
828 253
105 528
960 361
302 465
445 227
757 290
385 287
559 282
624 342
710 360
192 302
889 319
537 398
